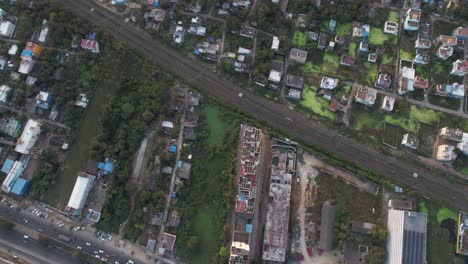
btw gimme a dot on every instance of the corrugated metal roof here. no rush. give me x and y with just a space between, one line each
20 186
79 193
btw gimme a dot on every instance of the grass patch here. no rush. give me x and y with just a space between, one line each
388 59
216 126
444 213
446 102
343 29
352 49
323 63
422 207
371 71
391 135
318 105
393 16
378 37
299 39
205 203
406 55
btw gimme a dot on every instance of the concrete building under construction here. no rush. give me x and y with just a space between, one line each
240 249
250 157
283 167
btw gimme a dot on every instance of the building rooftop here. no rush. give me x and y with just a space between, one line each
328 83
295 81
29 137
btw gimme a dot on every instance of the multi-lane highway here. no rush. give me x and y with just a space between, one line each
430 183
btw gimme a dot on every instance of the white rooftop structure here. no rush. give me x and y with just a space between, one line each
167 124
388 103
80 192
26 66
13 50
4 90
463 146
275 76
407 236
28 137
7 28
328 83
45 30
15 172
275 43
446 153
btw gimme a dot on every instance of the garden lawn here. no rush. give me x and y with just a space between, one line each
388 59
393 16
318 105
370 74
405 55
444 213
352 49
331 62
299 39
378 37
216 125
343 29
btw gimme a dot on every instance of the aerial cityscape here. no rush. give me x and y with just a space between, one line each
234 131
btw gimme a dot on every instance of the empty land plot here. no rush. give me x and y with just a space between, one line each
427 137
391 135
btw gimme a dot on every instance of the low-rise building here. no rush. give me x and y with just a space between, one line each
463 146
420 83
29 137
90 44
388 103
360 30
196 27
4 92
366 96
297 55
372 57
328 83
276 71
347 60
44 100
459 68
363 47
383 81
446 153
444 52
84 183
7 28
412 19
447 40
248 32
294 94
461 33
410 141
240 249
322 41
407 236
295 82
422 43
391 27
454 90
451 134
16 170
406 83
275 43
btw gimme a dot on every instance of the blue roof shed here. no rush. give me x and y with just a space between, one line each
7 165
20 186
248 228
173 148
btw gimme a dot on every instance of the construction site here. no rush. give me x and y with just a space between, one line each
283 168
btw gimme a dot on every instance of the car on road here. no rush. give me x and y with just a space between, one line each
78 247
98 257
88 244
130 261
26 237
101 251
25 221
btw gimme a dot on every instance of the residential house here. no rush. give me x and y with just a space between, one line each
7 28
190 125
44 100
4 91
412 19
167 126
388 103
360 30
44 31
323 40
410 141
13 50
276 71
275 43
313 35
366 96
454 90
340 39
421 57
391 27
29 137
242 4
295 82
178 34
334 105
196 28
421 83
463 146
422 43
363 47
248 32
461 33
240 249
447 40
451 134
372 57
26 66
459 68
347 60
383 81
297 55
444 52
294 94
446 153
10 126
328 83
406 83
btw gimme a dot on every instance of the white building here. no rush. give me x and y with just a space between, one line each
463 146
7 28
275 43
274 76
407 236
26 66
4 91
15 172
13 50
45 30
388 103
28 137
446 153
80 192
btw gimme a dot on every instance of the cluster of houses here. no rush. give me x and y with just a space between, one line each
449 140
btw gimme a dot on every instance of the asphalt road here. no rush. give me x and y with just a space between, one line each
36 225
429 183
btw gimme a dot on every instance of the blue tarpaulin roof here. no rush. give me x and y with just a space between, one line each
26 53
107 166
179 164
7 165
248 228
173 148
20 186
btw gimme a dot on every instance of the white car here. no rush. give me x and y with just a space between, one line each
88 244
98 257
26 237
78 247
101 251
130 261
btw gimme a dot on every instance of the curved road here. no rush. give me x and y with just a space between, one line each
429 183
